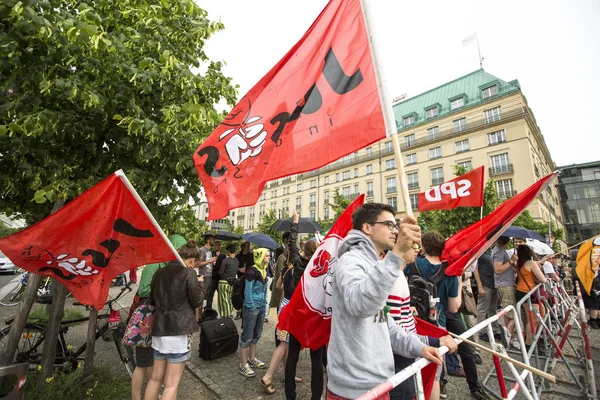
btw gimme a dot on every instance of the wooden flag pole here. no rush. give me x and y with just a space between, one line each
386 104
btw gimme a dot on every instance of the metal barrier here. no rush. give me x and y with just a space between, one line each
19 371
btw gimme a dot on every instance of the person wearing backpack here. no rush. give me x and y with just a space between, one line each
253 312
448 291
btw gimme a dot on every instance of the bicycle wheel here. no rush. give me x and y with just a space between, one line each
29 347
125 352
12 293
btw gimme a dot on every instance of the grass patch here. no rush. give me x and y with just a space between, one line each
40 316
105 386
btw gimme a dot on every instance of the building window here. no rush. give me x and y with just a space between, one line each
393 201
462 146
274 205
411 140
369 169
409 120
458 103
346 175
489 92
313 200
346 192
496 137
327 197
388 147
298 203
327 180
431 112
369 188
437 176
414 201
326 212
433 133
492 115
299 187
434 153
459 125
390 164
337 177
504 188
411 159
466 165
356 189
413 180
390 184
499 163
313 184
286 205
369 151
356 172
312 214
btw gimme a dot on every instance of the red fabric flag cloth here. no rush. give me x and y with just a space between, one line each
463 191
468 244
318 103
428 373
100 234
308 314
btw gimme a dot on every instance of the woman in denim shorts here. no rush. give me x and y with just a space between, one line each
176 294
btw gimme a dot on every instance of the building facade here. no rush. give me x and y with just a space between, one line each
477 119
579 187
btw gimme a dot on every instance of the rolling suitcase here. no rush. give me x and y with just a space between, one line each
218 338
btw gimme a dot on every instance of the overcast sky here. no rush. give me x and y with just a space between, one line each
552 47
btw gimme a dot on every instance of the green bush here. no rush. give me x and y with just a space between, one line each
105 386
39 315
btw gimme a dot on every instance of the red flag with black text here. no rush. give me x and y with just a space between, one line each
469 243
424 328
92 239
463 191
319 103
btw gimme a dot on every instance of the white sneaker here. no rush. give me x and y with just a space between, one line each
515 343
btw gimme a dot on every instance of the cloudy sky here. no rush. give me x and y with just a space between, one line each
552 47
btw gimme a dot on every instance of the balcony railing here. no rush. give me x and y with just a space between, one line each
313 204
413 185
370 194
286 180
241 217
391 190
507 194
437 181
351 196
503 169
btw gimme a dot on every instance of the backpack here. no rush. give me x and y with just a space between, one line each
237 290
422 289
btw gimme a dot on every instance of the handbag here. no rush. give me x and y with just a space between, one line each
468 306
139 328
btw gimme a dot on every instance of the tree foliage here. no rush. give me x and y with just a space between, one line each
90 88
448 222
264 226
6 231
525 220
339 205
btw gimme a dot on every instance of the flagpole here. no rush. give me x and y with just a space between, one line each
478 50
137 197
386 104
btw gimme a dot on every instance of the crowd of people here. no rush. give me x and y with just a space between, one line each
373 328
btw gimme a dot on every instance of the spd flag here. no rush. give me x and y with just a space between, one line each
463 191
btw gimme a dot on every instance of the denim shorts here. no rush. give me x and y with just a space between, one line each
252 326
172 358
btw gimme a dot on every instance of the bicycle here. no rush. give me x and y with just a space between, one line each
11 294
30 343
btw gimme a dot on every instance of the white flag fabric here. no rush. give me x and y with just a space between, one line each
470 39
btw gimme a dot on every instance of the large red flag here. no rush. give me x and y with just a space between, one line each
428 373
308 314
100 234
467 245
317 104
463 191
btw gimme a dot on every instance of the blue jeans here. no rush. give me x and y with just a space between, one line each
252 325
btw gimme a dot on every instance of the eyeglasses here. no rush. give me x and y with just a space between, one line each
391 225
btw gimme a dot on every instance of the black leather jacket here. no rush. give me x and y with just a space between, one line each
176 293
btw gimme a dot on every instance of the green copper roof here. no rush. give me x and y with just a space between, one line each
469 87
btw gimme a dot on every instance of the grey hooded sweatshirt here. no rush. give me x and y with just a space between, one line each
363 339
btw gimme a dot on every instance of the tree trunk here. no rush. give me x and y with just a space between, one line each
88 366
57 311
16 329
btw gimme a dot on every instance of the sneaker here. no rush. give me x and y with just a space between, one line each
506 337
246 371
443 394
515 344
480 394
256 363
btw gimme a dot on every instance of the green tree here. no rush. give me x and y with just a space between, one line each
525 220
448 222
90 88
339 205
264 226
6 231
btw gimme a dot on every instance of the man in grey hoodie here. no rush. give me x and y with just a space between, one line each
363 338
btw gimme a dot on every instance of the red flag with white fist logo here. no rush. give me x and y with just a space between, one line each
319 103
95 237
463 191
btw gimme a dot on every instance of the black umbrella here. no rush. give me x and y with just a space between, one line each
224 235
305 225
517 231
260 239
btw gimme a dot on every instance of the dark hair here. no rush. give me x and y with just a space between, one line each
503 240
230 248
189 250
433 243
523 255
368 213
243 244
309 248
285 237
207 237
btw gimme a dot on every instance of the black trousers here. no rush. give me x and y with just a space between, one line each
406 390
455 324
210 291
316 370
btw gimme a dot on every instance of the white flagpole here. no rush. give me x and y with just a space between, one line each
386 104
137 197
